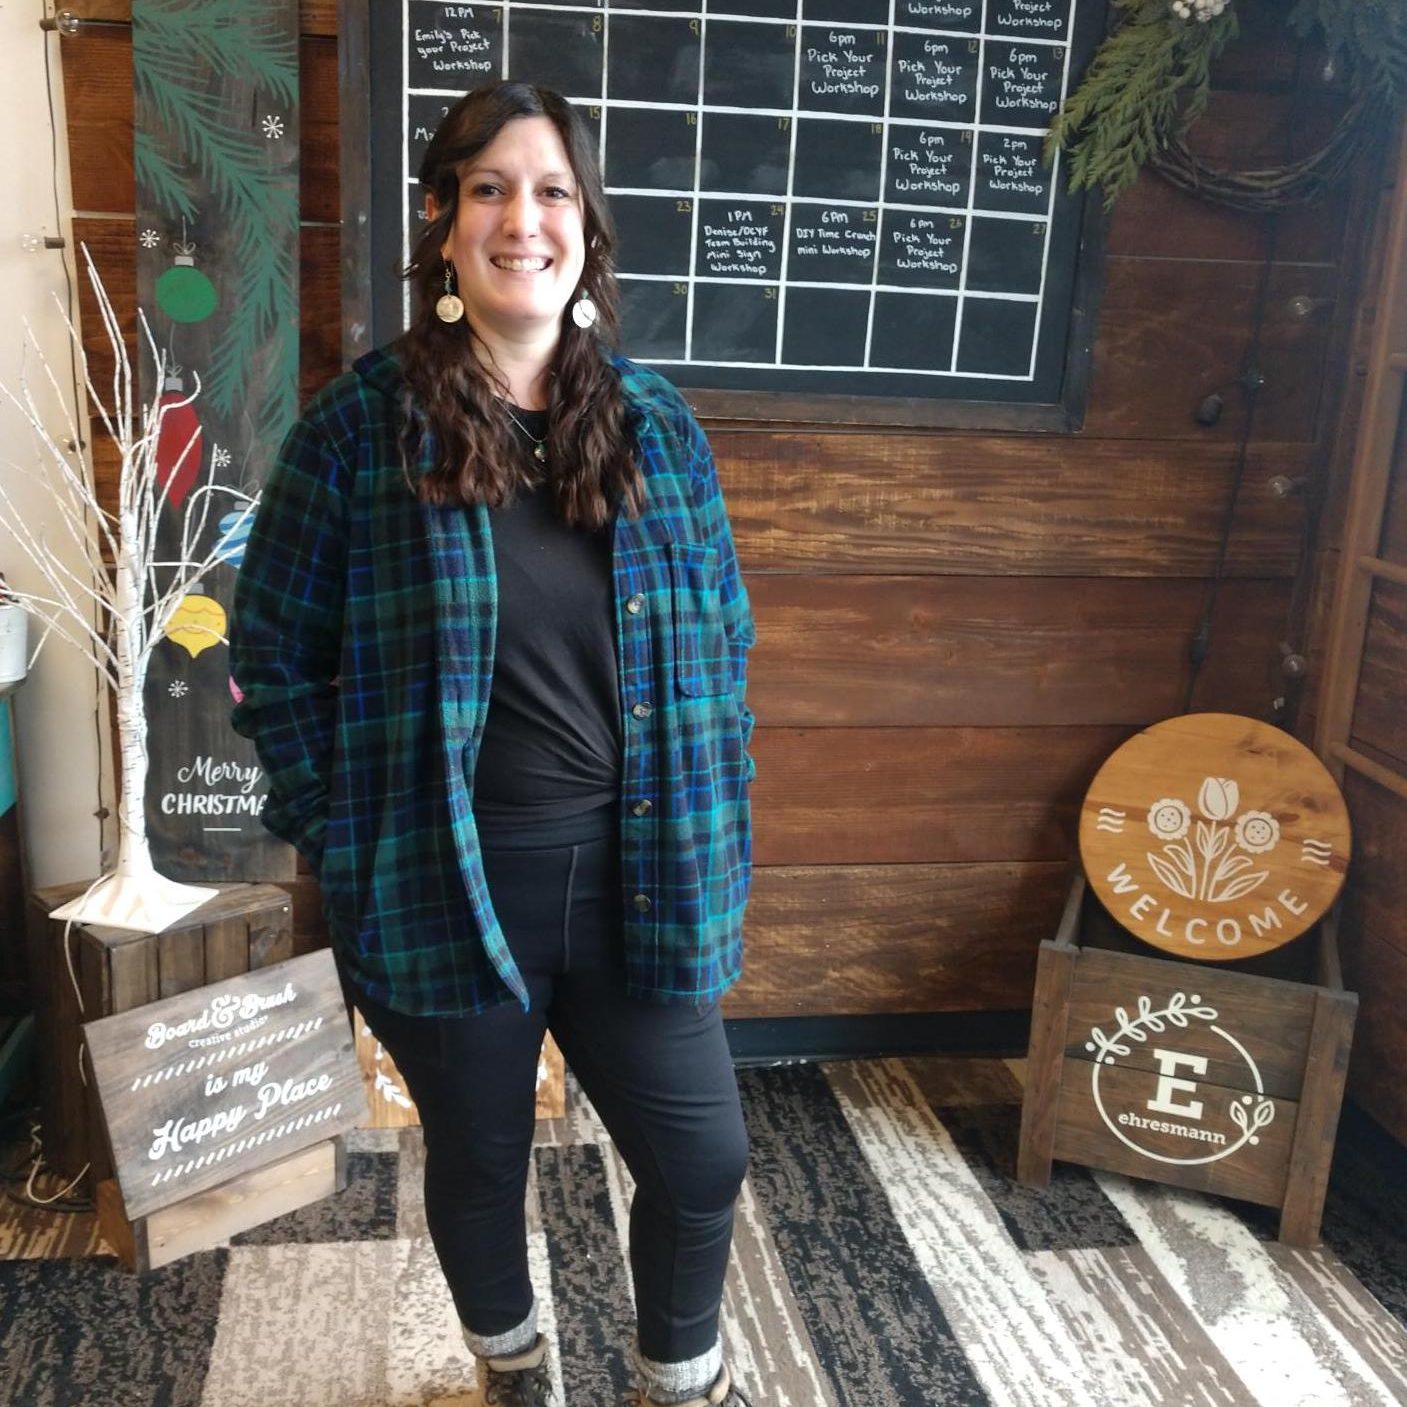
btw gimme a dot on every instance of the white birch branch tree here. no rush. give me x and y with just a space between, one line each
118 605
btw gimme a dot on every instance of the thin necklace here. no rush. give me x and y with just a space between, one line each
539 446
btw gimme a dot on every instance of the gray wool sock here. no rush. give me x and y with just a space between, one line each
678 1382
518 1339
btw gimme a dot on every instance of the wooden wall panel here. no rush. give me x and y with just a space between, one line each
1380 1039
1003 505
846 796
1394 541
1173 330
892 938
1375 897
1373 931
926 651
1156 220
954 629
1380 714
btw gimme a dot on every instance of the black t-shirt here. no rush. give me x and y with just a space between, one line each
551 749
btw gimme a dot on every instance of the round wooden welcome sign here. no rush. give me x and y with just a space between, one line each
1214 836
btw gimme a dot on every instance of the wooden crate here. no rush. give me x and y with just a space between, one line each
389 1105
213 1216
1219 1080
245 927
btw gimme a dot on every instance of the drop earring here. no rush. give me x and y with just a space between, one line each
450 307
584 312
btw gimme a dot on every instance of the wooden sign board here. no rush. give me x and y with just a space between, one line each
1214 837
224 1079
387 1095
215 245
1200 1077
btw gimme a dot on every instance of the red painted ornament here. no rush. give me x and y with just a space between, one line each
179 444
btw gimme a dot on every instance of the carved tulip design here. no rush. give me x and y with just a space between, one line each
1212 861
1218 798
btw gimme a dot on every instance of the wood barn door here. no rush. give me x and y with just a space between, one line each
1362 725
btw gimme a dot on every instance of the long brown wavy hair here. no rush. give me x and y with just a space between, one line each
477 457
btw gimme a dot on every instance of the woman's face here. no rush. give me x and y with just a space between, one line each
518 244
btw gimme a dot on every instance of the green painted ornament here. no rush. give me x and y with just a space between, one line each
183 293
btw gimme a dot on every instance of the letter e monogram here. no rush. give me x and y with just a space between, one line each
1169 1085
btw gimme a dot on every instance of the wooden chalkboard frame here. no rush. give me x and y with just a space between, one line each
762 407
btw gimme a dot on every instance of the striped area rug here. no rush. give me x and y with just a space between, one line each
884 1257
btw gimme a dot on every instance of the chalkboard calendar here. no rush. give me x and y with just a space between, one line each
829 197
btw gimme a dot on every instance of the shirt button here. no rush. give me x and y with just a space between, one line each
635 605
643 808
641 710
642 903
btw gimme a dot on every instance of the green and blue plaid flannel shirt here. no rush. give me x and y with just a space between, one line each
362 639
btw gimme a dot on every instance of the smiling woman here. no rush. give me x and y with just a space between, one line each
492 642
516 250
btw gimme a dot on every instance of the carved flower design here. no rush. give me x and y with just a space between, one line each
1168 818
1257 832
1218 798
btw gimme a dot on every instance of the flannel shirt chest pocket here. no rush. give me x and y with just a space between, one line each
701 665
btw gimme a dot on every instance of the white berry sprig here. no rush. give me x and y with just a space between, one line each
1200 10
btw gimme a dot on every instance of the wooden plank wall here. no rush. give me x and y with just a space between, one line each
956 628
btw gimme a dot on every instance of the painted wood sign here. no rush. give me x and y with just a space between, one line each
1214 837
216 155
834 197
224 1079
389 1097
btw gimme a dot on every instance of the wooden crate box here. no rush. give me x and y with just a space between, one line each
1209 1078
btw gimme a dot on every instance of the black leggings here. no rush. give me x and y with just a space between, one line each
660 1077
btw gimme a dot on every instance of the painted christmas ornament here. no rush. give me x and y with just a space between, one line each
183 293
234 534
199 622
178 448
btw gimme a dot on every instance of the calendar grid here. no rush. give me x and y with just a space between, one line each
789 203
796 192
967 227
879 214
1055 176
698 161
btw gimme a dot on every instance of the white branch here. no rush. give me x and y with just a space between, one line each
58 624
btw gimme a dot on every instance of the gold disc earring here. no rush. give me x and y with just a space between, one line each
450 307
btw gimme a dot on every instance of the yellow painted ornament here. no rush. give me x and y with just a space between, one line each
198 623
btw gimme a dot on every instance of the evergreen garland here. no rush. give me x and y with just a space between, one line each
1150 79
229 36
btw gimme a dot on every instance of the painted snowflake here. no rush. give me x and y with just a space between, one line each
149 239
178 688
273 128
220 457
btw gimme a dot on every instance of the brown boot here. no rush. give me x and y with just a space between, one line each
517 1379
721 1394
